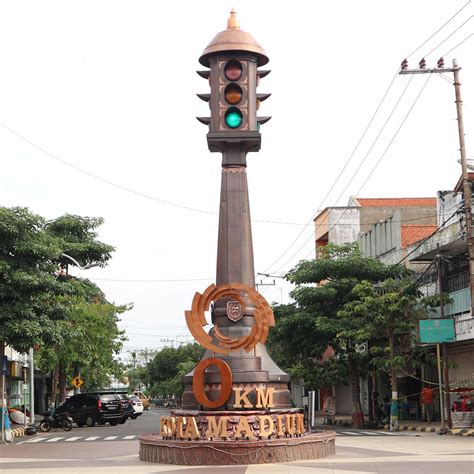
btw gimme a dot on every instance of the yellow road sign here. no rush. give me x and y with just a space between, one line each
77 381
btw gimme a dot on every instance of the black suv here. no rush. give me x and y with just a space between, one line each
127 407
91 408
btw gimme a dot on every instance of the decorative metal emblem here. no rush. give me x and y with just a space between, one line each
218 342
234 310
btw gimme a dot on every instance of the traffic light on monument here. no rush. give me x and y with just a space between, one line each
233 100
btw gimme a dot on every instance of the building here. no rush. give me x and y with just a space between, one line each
384 227
446 252
18 382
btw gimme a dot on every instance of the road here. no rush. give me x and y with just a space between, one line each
114 449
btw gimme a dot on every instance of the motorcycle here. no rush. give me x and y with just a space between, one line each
55 421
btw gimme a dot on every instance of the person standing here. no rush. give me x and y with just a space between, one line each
427 402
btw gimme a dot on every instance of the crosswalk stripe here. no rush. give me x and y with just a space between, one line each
53 440
92 438
110 438
74 438
129 437
352 433
370 433
35 440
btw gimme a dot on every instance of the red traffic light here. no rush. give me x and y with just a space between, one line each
233 70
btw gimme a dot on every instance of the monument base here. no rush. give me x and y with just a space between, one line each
153 448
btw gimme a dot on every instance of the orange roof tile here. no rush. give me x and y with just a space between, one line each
415 233
396 202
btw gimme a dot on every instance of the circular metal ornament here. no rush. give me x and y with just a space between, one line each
196 320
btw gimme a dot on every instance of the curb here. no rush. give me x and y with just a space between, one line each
431 429
462 432
338 422
18 432
424 429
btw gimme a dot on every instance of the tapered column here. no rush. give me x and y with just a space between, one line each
235 251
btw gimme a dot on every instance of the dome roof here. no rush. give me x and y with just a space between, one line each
233 39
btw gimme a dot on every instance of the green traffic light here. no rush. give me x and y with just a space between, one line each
233 118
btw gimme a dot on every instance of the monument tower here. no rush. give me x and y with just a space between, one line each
236 400
233 58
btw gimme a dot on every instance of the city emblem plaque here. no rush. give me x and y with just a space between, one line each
234 311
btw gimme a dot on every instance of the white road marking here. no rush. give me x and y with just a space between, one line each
129 437
92 438
352 433
35 440
74 438
53 440
370 433
110 438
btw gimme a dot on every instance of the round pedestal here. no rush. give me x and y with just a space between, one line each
153 448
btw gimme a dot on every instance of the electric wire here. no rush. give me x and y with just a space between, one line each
439 29
163 280
124 188
427 238
373 169
413 52
446 39
459 44
340 173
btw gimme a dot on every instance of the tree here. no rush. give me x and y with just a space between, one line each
386 316
79 240
170 365
306 329
36 293
91 342
29 311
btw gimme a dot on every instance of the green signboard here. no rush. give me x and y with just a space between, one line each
437 330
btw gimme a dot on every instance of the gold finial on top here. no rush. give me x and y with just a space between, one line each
233 22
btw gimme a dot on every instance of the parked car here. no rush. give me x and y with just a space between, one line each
91 408
143 398
137 406
127 407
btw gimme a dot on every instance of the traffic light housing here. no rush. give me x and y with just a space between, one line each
233 100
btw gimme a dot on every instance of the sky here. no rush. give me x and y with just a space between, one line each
97 118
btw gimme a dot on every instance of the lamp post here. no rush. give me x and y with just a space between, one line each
78 265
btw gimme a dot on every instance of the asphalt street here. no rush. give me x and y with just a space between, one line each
115 449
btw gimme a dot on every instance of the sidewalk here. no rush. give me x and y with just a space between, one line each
403 425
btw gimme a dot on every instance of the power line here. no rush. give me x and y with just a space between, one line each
184 280
413 52
427 238
446 39
340 173
124 188
459 44
373 169
178 280
439 29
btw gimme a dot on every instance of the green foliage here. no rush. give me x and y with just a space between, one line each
79 240
168 367
387 316
343 299
91 340
41 305
29 311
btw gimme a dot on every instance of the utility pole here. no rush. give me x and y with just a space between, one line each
467 193
467 196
